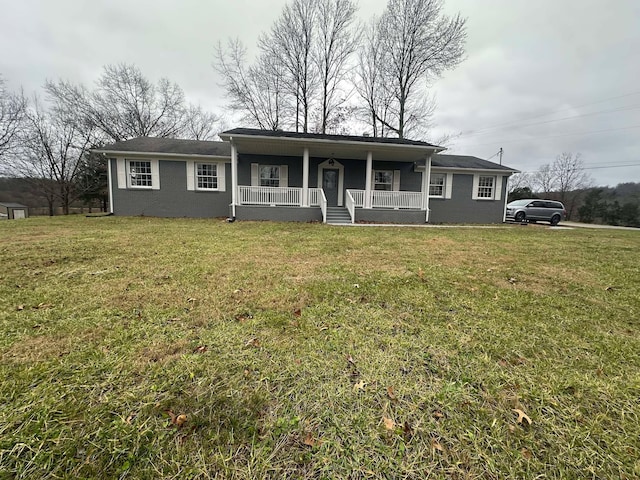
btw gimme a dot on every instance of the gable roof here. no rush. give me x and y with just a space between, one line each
321 136
13 205
466 162
168 146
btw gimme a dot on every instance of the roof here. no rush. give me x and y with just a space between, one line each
169 146
466 161
13 205
321 136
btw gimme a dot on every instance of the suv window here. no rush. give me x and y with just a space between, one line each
537 204
555 205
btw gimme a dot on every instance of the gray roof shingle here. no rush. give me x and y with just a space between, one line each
170 145
466 161
320 136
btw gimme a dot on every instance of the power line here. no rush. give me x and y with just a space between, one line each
598 167
483 131
562 110
558 136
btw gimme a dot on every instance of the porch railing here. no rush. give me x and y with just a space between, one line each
323 204
351 206
387 199
276 196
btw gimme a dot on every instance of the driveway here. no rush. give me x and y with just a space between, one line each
592 225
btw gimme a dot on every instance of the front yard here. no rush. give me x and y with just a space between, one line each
170 348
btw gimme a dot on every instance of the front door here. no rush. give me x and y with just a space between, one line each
330 178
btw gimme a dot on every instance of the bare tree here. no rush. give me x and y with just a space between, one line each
336 42
258 91
12 119
416 44
291 41
543 180
202 125
125 104
52 153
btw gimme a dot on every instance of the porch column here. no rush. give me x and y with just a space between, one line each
427 181
367 185
305 178
234 178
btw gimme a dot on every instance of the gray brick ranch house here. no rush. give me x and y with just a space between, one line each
275 175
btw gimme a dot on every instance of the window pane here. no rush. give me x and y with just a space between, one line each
140 173
269 176
207 176
436 185
383 180
485 187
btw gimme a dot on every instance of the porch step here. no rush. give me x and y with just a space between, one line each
338 216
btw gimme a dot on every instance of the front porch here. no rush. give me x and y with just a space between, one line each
362 205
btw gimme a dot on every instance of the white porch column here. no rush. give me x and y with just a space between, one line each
367 186
427 181
305 178
234 178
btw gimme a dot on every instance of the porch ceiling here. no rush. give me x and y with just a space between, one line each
331 149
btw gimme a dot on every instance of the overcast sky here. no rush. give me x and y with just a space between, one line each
529 64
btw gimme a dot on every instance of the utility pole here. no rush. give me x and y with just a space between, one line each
500 153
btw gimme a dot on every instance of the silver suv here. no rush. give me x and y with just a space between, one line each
534 210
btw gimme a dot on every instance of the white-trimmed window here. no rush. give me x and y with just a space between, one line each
206 176
383 180
487 187
269 175
138 174
437 185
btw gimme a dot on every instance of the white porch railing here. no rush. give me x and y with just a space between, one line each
275 196
351 206
387 199
323 204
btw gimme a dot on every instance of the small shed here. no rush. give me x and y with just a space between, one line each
13 211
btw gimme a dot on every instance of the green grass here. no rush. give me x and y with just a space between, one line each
306 328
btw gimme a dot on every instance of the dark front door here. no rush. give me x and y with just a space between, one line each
330 185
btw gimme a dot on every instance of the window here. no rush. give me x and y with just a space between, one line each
486 186
269 176
140 174
436 185
207 176
383 180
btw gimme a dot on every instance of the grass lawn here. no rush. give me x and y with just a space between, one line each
173 348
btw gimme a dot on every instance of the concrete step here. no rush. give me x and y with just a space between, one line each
338 216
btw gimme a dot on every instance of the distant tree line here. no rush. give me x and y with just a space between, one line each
47 142
566 180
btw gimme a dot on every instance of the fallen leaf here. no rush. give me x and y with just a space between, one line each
243 317
237 291
512 429
172 416
407 429
389 424
200 349
246 372
191 300
253 342
438 415
19 308
351 360
522 416
526 453
309 441
131 417
391 394
360 385
512 280
297 312
436 445
180 420
420 273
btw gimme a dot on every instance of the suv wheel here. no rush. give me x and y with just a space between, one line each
555 220
520 216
